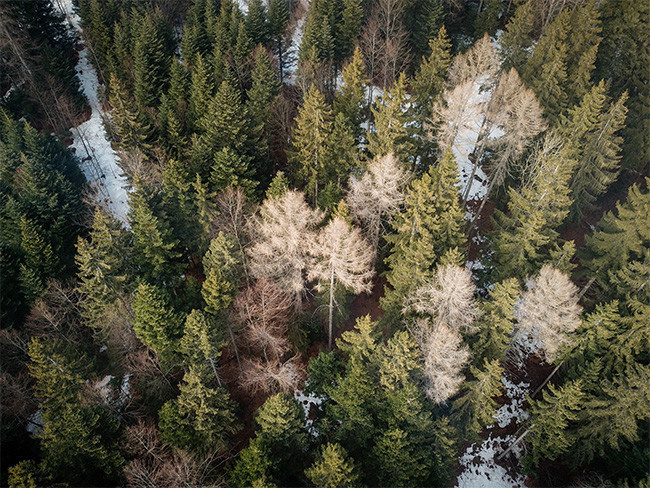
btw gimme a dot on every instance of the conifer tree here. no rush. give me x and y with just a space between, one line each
230 169
101 263
201 91
477 406
399 463
518 37
496 325
342 258
257 27
590 130
549 436
487 20
131 132
278 18
391 120
430 77
350 28
332 469
201 342
253 466
351 101
150 63
341 152
309 141
522 237
200 418
155 322
40 261
264 88
429 226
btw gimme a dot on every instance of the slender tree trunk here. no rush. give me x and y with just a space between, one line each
216 374
234 346
331 311
519 439
548 378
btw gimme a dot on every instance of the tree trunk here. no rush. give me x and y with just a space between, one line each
216 374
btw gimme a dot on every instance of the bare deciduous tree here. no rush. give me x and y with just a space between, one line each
548 313
231 218
444 358
343 257
479 64
270 378
448 298
264 310
285 229
377 195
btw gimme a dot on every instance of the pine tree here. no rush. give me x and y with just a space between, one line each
351 101
487 20
391 120
332 469
155 322
429 226
200 418
230 169
551 416
253 466
477 406
518 37
278 19
590 130
101 263
343 258
430 77
398 461
310 137
201 91
496 325
257 26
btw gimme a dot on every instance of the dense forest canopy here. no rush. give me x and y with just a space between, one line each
325 243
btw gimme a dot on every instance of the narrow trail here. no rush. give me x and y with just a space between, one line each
98 161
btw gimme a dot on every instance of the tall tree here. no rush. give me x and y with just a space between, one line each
150 62
202 340
332 469
351 101
343 258
430 78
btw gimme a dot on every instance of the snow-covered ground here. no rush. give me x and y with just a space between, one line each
480 469
306 401
99 162
296 40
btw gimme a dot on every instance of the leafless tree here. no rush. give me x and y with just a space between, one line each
344 258
479 64
371 46
377 195
444 358
448 298
548 313
264 311
285 232
272 377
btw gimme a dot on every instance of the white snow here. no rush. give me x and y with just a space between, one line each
35 422
512 410
296 40
99 162
306 401
243 6
481 470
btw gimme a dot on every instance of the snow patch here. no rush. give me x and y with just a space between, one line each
480 469
35 422
306 401
296 40
99 162
513 409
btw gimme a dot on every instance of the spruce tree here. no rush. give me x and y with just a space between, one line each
391 120
278 19
150 63
309 141
590 130
351 101
430 77
155 322
253 466
131 132
201 91
518 37
332 468
429 227
200 418
201 342
257 26
230 169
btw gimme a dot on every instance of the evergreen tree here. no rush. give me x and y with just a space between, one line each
278 18
487 20
332 469
497 322
131 132
264 88
200 418
477 406
549 437
231 169
150 63
350 102
391 120
201 91
155 322
350 27
430 77
429 226
518 37
590 130
309 141
257 27
253 466
399 463
201 342
279 186
101 263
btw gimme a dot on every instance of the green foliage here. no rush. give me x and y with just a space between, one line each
200 418
487 20
351 101
253 466
126 122
278 187
25 474
323 371
154 322
150 62
202 340
332 468
430 77
429 226
518 37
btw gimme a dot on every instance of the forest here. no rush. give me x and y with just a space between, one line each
325 243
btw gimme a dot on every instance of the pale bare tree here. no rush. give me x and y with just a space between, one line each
285 232
371 46
232 217
448 298
377 195
343 257
444 357
264 311
548 313
479 64
272 377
